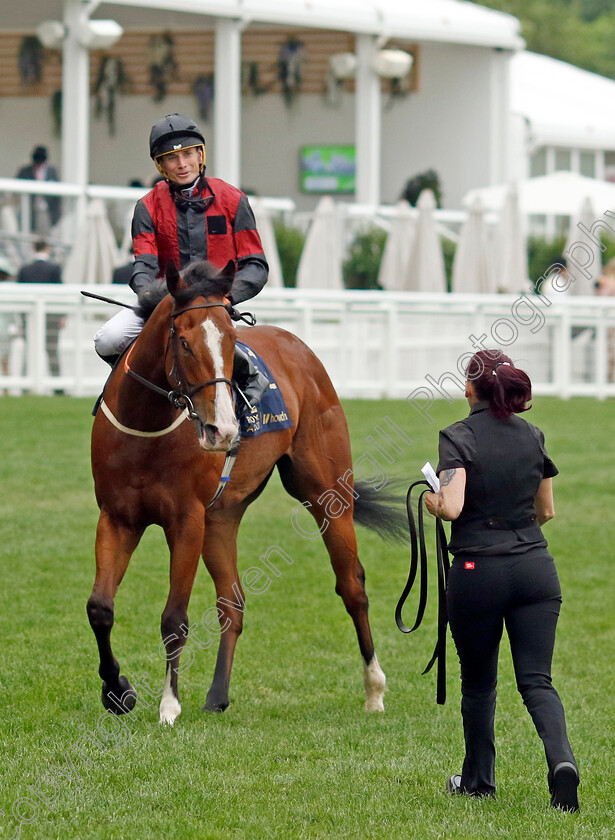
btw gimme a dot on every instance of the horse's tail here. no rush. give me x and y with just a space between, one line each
381 511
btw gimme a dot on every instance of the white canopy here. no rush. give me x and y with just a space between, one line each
564 105
561 193
439 20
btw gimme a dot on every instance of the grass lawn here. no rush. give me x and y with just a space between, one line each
295 755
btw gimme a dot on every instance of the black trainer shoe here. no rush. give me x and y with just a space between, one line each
453 784
564 787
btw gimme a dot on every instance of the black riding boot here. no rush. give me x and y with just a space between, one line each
250 383
111 360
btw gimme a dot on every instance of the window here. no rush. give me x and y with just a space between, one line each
587 164
609 166
538 163
562 160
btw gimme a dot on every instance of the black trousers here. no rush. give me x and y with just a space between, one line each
520 591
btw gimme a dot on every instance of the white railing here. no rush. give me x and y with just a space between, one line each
373 344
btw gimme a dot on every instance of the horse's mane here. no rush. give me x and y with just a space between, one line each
201 278
150 297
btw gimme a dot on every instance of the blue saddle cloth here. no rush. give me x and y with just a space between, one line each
271 413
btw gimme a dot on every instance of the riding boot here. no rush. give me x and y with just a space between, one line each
249 381
111 360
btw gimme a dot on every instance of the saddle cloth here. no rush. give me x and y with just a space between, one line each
271 413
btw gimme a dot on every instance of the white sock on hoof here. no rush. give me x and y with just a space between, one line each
374 681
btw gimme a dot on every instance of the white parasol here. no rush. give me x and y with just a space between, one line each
425 272
473 267
320 265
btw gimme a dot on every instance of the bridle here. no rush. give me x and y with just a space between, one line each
180 396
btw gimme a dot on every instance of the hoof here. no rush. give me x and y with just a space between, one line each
170 709
374 704
216 706
374 681
123 700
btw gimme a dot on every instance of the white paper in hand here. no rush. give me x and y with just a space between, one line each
430 475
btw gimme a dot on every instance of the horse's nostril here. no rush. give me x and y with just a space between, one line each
211 432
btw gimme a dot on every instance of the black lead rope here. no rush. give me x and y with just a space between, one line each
418 564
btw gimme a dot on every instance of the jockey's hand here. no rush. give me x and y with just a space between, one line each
235 316
246 317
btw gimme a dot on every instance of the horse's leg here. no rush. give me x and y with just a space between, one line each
185 538
309 479
341 542
115 544
220 556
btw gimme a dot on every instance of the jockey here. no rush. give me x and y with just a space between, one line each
187 217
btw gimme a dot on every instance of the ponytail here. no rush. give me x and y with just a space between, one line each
506 388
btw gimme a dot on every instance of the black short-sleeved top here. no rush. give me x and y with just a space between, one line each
505 461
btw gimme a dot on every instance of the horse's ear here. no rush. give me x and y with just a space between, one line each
173 278
229 270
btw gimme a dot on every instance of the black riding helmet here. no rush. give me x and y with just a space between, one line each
172 133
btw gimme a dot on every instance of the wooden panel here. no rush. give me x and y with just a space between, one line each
193 52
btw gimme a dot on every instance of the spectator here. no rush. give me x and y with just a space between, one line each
606 286
42 270
123 273
44 209
8 326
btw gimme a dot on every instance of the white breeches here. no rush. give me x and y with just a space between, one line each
120 331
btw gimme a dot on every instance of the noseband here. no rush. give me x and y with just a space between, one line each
181 396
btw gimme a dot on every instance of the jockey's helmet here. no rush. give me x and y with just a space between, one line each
172 133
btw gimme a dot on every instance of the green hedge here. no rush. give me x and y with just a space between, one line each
290 242
360 269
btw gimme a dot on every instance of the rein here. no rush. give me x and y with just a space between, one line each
419 551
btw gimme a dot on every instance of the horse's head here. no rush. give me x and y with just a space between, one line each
201 351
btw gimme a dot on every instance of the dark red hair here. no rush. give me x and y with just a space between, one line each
505 387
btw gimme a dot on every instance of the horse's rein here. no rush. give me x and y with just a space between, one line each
419 550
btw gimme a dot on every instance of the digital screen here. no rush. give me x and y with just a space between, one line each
327 169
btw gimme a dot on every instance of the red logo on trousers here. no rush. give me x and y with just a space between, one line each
468 564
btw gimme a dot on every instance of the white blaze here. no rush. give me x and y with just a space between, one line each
224 418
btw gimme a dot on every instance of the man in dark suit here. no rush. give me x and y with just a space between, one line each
42 270
44 209
123 273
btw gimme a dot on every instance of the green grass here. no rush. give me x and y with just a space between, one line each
295 755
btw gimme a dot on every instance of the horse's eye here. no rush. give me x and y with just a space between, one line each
185 345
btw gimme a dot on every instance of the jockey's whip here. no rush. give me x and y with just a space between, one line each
107 300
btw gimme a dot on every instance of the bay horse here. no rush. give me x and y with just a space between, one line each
151 467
